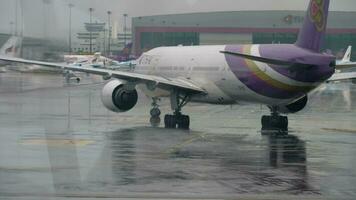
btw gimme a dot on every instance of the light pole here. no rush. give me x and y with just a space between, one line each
109 32
274 33
125 16
104 41
22 19
90 30
70 27
46 20
12 28
16 15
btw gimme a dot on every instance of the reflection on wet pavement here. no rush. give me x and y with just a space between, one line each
60 142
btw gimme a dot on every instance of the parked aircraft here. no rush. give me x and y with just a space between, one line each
346 62
279 76
95 60
11 48
347 56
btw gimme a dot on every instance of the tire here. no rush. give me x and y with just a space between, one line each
279 123
167 120
155 112
155 121
284 123
266 122
184 122
170 121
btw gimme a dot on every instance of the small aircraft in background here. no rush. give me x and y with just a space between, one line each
346 62
11 48
345 68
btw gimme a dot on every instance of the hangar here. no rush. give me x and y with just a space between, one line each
259 27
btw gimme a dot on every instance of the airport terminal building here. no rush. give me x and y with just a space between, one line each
237 27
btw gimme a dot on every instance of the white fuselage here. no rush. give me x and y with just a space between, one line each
205 67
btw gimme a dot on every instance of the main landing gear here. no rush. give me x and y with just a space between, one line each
177 120
274 123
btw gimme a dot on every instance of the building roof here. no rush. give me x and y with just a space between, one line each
237 19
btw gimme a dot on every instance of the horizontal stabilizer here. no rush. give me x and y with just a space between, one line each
342 66
342 77
266 60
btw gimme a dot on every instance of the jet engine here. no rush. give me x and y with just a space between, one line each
118 96
294 107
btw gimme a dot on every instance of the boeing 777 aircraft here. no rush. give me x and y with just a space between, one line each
279 76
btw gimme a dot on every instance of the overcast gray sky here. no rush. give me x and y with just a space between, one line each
52 19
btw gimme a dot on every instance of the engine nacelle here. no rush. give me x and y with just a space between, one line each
117 97
294 107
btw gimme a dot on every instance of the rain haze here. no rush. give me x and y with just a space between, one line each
49 18
177 99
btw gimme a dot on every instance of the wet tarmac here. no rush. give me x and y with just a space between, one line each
57 141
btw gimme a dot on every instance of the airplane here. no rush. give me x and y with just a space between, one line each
343 65
97 58
121 66
11 48
346 62
347 56
279 76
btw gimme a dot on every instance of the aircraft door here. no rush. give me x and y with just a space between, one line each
153 68
192 64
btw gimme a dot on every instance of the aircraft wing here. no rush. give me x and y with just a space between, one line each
155 81
342 77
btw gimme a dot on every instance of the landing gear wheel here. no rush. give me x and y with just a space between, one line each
155 121
174 121
275 123
170 121
155 112
183 122
177 120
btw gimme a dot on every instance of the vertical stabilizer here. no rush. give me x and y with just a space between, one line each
347 56
312 33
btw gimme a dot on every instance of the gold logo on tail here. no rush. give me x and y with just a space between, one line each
317 14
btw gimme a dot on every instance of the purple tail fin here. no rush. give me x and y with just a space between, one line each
312 33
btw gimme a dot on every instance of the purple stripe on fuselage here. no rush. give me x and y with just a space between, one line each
239 67
289 52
